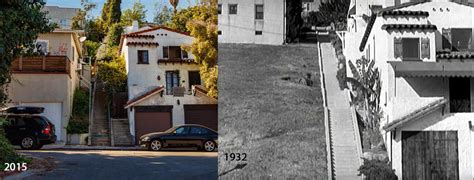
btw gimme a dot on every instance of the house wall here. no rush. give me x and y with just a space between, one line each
241 27
436 121
142 76
50 88
56 14
445 14
43 88
178 109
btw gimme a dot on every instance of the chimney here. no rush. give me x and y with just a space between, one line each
134 26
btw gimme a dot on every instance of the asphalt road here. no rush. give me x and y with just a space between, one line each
100 164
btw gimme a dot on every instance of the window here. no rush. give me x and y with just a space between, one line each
460 94
142 57
219 9
461 39
258 32
181 131
184 54
63 23
165 52
412 48
232 8
172 80
198 131
194 78
259 11
219 32
457 39
172 52
42 47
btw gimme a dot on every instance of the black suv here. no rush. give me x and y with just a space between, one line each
26 128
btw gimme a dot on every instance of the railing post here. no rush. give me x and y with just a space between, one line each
44 63
20 64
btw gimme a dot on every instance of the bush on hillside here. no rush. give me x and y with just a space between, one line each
7 153
377 169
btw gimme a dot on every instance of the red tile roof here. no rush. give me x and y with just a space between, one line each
391 27
160 27
144 95
140 36
143 43
404 13
455 54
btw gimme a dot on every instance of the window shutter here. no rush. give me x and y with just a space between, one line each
398 48
425 48
447 39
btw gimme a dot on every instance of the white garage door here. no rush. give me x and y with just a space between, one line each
52 111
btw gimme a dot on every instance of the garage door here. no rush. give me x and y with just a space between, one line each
430 155
205 114
52 111
150 119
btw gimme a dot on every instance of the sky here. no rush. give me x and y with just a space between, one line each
150 5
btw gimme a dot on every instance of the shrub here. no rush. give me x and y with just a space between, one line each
80 107
114 75
7 153
377 169
77 127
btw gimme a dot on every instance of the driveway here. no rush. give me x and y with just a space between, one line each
107 164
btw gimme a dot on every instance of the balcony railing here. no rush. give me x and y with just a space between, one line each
176 60
42 64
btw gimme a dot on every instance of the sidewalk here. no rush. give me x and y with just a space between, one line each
62 145
344 146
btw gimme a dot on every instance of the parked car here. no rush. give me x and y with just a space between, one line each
188 135
25 127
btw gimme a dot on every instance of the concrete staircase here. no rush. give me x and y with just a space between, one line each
344 147
121 132
100 126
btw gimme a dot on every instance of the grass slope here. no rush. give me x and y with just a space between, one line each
267 111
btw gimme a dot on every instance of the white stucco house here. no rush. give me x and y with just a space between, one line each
252 21
425 53
163 82
49 80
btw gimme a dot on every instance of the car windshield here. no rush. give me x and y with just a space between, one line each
170 130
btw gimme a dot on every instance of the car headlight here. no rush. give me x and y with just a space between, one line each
147 138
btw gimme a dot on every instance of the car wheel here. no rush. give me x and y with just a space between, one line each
28 142
209 146
155 145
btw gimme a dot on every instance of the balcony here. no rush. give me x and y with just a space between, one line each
176 61
42 65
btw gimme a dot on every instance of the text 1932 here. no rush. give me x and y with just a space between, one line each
235 156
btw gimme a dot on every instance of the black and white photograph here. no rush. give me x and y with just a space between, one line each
340 89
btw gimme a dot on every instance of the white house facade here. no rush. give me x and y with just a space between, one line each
252 21
425 53
163 82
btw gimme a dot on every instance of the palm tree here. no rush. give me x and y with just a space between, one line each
174 3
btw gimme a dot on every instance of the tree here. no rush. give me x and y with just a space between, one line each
294 20
136 13
79 20
21 22
174 3
111 14
163 16
183 16
203 27
334 11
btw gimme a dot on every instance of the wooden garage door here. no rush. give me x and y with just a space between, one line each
430 155
203 114
150 119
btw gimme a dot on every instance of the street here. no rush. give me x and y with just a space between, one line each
107 164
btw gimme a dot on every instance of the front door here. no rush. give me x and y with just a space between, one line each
430 155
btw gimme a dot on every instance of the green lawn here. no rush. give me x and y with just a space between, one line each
268 110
